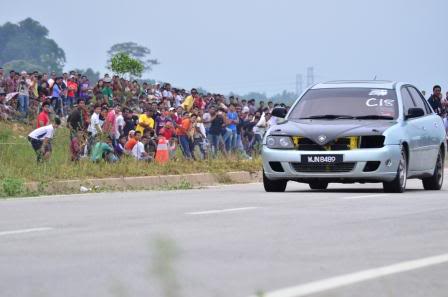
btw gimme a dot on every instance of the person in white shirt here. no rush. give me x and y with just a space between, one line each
40 140
94 128
119 125
138 151
177 98
166 93
157 92
260 128
95 123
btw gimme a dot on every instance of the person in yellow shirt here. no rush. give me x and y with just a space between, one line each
145 120
189 100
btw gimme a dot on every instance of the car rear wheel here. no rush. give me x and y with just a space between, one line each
435 182
274 185
318 185
398 185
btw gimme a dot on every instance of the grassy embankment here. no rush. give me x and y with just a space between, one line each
18 163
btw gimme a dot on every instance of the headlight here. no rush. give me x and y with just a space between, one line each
279 142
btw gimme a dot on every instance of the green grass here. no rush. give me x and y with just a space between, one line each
18 161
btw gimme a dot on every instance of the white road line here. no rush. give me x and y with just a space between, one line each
221 210
352 278
11 232
365 196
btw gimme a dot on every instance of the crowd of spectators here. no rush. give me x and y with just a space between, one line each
115 117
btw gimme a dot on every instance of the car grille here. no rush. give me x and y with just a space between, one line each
329 167
340 144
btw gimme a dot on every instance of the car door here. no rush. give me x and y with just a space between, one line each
415 131
431 126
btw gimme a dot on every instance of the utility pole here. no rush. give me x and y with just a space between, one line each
299 84
309 76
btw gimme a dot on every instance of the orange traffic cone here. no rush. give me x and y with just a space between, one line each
162 155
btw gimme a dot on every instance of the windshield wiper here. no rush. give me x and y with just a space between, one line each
374 117
328 116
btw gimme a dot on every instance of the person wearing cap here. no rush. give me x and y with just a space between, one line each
107 91
133 138
157 91
41 138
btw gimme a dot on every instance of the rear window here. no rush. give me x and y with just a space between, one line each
356 102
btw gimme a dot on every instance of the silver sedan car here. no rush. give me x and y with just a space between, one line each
355 131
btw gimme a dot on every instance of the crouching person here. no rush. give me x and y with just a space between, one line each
138 151
41 138
104 151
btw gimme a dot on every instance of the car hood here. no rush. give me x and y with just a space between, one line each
325 131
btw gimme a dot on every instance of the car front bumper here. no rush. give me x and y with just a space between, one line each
388 156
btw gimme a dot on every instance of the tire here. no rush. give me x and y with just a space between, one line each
274 185
318 185
398 185
435 182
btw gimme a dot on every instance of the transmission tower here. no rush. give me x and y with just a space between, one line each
299 84
309 76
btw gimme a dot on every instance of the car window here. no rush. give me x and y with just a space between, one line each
407 100
419 100
355 102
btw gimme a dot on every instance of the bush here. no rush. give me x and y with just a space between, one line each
13 186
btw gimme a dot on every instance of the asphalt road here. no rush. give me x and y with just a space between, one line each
352 240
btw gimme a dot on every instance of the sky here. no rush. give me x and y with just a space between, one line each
257 45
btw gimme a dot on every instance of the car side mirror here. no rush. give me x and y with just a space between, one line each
279 112
415 112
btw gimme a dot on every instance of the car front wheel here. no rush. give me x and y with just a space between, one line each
274 185
398 185
435 182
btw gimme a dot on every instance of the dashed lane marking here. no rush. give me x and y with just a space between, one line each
357 277
214 211
21 231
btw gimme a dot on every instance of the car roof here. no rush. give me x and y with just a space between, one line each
373 84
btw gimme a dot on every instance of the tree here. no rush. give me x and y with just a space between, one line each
92 75
135 51
27 44
20 65
122 64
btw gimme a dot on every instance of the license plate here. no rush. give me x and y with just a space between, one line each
322 159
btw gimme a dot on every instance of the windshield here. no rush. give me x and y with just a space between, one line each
346 103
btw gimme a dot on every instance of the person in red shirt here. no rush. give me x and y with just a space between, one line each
199 102
167 131
72 87
43 119
176 115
